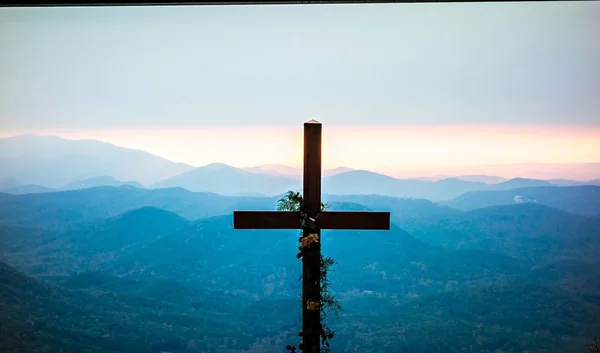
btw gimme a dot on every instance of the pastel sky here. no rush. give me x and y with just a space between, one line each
398 87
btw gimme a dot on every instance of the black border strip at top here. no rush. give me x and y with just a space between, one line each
264 2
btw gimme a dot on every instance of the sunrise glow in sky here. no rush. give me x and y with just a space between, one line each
403 89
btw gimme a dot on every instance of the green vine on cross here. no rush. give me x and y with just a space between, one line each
292 201
594 347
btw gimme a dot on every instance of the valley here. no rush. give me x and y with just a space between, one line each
149 270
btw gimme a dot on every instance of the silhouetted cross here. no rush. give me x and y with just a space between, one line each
311 207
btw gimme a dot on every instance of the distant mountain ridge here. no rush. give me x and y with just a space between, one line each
75 185
54 208
488 179
33 163
52 161
231 181
226 180
583 199
366 182
100 181
27 189
517 183
276 169
57 209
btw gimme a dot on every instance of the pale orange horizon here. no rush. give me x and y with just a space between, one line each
394 150
517 84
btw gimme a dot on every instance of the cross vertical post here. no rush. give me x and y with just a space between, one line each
311 260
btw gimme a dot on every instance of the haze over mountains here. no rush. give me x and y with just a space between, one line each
33 163
55 162
132 253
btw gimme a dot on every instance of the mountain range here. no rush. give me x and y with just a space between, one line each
109 250
125 269
33 164
577 199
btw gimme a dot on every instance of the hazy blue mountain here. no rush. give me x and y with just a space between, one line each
431 177
530 232
276 169
368 182
567 182
543 171
54 161
58 210
365 182
115 233
401 209
100 181
227 180
583 200
450 186
27 189
487 179
335 171
518 183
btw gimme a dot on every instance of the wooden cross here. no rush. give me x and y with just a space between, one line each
311 281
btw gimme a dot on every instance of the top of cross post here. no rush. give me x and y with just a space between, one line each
312 121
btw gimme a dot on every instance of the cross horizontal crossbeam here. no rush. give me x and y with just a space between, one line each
326 220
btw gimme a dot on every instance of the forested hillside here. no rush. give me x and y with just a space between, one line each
116 269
